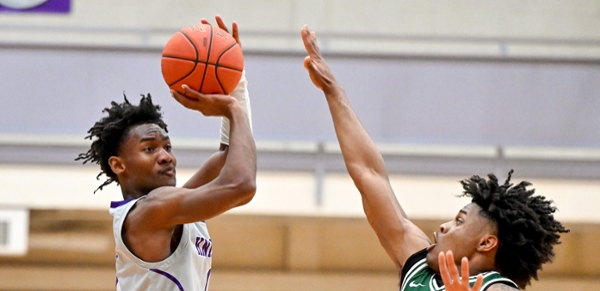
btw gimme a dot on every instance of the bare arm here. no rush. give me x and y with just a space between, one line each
235 184
397 234
212 167
209 170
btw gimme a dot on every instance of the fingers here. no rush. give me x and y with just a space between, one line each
307 63
448 269
191 93
309 38
187 102
305 35
464 266
450 275
452 267
235 33
220 23
478 283
444 268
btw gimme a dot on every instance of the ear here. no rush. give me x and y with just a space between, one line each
116 165
487 243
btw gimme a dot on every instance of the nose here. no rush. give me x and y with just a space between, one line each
444 227
165 157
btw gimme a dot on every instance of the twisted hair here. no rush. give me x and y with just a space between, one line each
109 133
527 230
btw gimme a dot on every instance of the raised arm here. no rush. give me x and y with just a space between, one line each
236 183
152 225
212 167
397 234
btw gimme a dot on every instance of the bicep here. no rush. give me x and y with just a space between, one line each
399 236
166 207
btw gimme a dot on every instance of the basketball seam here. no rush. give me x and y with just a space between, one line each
217 66
207 58
200 62
195 61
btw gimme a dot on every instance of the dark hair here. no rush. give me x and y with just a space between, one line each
527 230
111 130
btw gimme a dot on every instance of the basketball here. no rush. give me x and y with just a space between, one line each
204 57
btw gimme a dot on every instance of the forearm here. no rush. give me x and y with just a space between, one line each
209 170
240 164
358 149
234 185
240 93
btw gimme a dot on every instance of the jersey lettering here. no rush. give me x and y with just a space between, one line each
204 247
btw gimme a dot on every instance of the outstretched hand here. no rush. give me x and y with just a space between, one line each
234 28
207 104
452 279
319 71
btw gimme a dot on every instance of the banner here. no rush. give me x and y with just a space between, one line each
37 6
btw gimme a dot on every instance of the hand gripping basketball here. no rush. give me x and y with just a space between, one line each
204 57
241 90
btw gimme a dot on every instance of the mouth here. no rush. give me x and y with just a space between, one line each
169 171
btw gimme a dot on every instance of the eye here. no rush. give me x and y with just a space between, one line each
148 149
459 220
168 148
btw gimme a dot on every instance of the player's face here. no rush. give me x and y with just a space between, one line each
461 235
148 159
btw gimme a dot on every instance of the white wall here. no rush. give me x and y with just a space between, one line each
549 28
288 193
37 85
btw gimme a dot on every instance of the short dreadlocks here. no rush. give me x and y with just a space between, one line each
111 130
527 230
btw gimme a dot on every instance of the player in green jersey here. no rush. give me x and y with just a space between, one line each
500 240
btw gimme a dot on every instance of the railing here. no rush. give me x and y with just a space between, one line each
324 156
331 42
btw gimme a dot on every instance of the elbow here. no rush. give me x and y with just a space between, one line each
246 188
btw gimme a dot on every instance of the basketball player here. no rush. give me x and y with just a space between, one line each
162 242
500 239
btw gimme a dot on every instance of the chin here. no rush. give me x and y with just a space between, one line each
166 182
172 182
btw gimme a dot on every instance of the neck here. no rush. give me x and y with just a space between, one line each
480 264
130 193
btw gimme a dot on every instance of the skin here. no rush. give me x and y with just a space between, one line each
470 236
146 166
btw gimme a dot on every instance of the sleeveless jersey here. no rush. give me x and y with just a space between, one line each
186 269
417 276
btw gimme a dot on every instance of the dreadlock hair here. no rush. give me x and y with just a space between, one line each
527 231
111 130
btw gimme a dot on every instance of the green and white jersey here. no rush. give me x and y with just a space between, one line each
417 276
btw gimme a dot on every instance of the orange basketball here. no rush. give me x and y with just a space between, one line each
206 58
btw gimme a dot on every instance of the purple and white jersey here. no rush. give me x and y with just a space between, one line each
186 269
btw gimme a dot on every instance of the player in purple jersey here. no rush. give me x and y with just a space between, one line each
504 235
161 240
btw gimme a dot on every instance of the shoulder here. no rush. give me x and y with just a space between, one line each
501 287
415 263
415 259
119 208
493 281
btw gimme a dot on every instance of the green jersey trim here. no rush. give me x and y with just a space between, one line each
420 277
